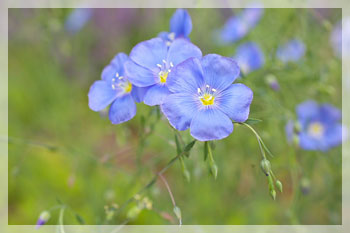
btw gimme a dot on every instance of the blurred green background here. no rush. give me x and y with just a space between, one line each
62 152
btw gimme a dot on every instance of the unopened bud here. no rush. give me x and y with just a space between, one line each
177 212
214 169
265 166
279 185
273 194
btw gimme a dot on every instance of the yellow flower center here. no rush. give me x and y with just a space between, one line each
316 129
163 75
207 99
128 87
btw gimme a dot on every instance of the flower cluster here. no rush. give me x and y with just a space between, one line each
193 91
318 127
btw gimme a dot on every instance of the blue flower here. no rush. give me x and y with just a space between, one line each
77 19
238 26
318 127
204 99
115 89
43 218
180 26
152 61
291 51
249 57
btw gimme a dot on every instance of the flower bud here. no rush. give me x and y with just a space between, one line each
214 169
279 185
273 194
43 218
265 166
177 212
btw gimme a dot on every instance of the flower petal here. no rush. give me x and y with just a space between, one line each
122 109
329 113
186 77
116 66
219 72
140 76
235 101
156 95
335 135
179 108
249 57
149 53
181 23
101 95
307 110
138 93
210 124
182 49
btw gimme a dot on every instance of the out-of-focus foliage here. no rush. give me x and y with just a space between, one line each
94 166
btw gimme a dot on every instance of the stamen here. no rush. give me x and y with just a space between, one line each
164 61
121 77
113 79
214 90
159 65
117 75
199 90
207 86
171 64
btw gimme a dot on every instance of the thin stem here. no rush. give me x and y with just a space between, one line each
168 188
257 137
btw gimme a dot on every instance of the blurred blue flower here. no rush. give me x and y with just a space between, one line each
77 19
249 57
318 127
291 51
272 81
115 89
180 26
43 218
336 39
239 25
152 61
204 99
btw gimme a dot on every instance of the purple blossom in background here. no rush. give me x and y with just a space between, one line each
291 51
117 90
272 81
318 127
336 39
239 25
180 26
43 218
249 57
77 19
152 61
204 99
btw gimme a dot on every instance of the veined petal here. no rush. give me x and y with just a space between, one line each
138 93
149 53
182 49
156 94
179 108
219 72
140 76
122 109
235 101
181 23
211 124
116 66
108 73
186 77
101 95
118 62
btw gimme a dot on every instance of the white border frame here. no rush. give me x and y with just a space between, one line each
4 227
